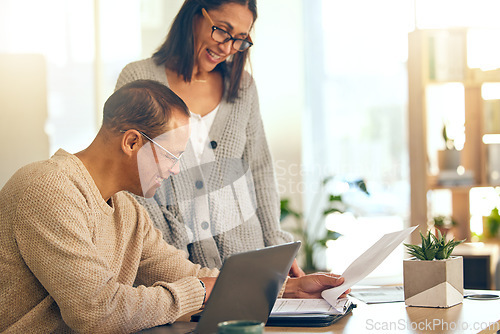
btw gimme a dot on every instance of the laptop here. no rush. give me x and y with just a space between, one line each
246 289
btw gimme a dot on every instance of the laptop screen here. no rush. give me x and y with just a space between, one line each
248 286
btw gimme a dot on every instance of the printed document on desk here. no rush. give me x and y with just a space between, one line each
367 262
309 306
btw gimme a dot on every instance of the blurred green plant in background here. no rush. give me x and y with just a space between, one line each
312 232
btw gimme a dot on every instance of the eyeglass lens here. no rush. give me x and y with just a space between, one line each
221 36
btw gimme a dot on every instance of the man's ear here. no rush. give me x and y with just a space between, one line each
131 142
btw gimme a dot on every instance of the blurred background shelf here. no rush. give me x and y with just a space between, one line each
447 92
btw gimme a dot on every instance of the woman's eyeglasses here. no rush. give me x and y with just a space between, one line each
221 36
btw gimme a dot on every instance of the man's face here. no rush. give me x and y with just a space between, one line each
159 157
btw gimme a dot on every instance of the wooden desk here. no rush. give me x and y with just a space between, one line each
472 316
398 318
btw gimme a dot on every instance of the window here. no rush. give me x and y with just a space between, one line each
84 47
355 123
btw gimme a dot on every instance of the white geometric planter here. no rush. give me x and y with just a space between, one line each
437 283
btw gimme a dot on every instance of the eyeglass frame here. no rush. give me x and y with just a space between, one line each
172 157
248 39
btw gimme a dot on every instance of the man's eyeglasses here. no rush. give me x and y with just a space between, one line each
170 156
221 36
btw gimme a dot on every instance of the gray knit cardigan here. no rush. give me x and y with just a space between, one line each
228 202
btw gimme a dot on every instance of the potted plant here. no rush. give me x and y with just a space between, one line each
443 224
491 224
449 158
432 277
317 240
309 243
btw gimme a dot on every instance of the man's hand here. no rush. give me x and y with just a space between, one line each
209 286
311 286
295 270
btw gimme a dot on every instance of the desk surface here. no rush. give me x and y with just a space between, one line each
472 316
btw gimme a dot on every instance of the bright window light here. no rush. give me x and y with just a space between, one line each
343 251
490 91
434 14
491 139
483 51
482 201
445 107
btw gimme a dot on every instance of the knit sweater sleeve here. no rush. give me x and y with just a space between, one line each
259 158
57 244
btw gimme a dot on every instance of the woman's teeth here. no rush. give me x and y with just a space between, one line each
213 55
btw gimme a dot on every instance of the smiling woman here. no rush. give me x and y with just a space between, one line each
224 199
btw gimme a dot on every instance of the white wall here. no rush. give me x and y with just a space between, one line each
23 112
157 16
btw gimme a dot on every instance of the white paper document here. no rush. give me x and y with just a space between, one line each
367 262
309 306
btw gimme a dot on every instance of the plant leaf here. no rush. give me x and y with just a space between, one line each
335 198
331 210
332 235
362 186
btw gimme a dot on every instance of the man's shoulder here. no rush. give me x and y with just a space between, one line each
32 173
43 174
46 179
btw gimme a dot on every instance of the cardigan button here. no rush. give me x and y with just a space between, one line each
204 225
198 184
213 144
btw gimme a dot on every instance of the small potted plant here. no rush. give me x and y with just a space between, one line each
443 224
491 225
449 158
320 236
309 242
432 277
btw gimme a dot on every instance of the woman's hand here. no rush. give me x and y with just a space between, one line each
311 286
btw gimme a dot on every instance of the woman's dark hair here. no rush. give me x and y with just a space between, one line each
143 105
177 52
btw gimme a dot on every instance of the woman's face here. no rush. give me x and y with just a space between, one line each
234 18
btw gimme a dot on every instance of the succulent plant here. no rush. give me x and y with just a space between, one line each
433 247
